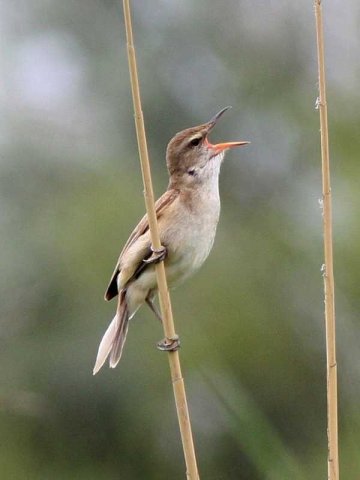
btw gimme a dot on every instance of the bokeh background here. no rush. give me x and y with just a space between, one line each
251 321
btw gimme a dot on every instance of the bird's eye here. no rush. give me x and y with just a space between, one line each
192 172
195 141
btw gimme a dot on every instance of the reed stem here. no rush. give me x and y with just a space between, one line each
164 297
328 273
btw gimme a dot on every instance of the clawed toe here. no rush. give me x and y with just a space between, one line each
157 255
169 344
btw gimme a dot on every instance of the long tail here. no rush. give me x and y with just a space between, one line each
114 338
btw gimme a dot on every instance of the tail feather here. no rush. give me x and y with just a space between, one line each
118 343
114 338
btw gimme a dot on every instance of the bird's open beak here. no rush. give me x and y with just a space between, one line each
221 147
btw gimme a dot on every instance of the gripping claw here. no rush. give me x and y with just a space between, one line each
158 255
169 344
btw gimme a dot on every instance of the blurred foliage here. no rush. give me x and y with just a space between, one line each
251 321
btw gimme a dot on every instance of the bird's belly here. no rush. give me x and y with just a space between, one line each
185 256
188 244
191 248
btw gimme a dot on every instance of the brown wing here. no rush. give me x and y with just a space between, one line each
143 226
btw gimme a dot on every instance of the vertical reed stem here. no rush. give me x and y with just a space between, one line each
332 414
165 304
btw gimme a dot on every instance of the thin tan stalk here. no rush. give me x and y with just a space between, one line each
165 304
332 414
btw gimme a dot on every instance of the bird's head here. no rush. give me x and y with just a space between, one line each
191 158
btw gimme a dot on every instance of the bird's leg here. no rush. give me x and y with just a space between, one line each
158 254
167 344
150 303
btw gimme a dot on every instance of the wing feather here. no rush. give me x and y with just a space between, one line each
142 228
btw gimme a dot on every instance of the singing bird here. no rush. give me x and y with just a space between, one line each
188 214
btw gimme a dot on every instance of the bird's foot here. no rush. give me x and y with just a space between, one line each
169 344
158 255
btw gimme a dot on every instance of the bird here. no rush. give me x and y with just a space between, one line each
187 214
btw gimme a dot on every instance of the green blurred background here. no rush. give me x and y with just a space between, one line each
251 321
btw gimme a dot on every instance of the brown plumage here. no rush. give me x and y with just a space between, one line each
187 215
